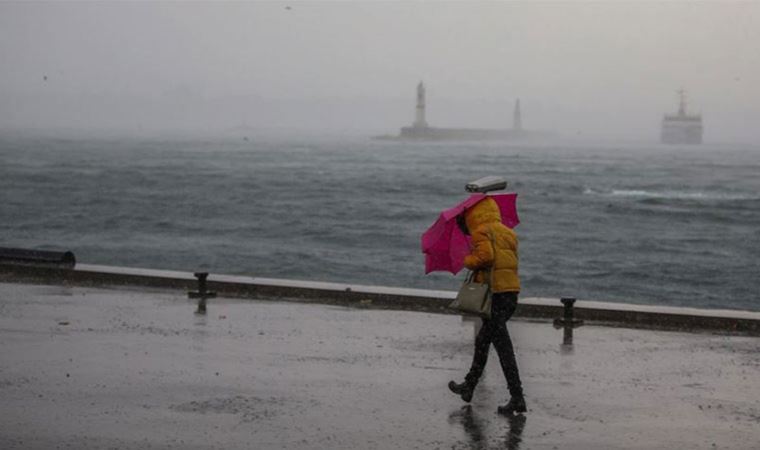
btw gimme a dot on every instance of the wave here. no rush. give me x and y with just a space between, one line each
674 195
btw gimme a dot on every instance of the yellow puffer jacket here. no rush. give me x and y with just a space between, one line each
493 246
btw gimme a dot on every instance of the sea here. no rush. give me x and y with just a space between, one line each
634 223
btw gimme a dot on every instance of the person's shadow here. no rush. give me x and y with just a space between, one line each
473 426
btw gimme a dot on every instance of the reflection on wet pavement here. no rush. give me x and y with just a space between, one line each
474 426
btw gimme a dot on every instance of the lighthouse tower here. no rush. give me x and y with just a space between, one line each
517 117
419 118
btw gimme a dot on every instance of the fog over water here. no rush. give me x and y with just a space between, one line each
235 137
589 70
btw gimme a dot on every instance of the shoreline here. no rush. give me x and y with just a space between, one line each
385 297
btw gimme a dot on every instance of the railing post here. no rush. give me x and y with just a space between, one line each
567 322
201 294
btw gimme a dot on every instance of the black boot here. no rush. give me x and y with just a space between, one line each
515 405
464 390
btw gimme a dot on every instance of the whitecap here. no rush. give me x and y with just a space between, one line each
673 195
682 195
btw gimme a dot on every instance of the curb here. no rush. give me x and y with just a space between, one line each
381 297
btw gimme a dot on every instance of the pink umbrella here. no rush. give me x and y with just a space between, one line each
444 244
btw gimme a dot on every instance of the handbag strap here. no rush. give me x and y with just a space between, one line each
490 269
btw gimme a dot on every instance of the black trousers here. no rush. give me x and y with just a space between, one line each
494 331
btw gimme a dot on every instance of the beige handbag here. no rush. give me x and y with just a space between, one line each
474 298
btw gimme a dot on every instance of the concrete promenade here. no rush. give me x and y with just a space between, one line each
136 368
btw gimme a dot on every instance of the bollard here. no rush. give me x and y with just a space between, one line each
568 322
201 294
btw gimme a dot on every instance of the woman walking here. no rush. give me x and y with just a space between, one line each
493 256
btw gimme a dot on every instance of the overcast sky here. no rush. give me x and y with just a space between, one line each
589 69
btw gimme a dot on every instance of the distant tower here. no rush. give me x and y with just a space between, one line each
419 119
517 117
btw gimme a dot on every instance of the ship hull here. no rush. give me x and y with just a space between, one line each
681 131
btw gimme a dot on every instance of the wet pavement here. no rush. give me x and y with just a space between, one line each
96 368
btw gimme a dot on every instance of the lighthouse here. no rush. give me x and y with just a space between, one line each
421 131
419 118
517 117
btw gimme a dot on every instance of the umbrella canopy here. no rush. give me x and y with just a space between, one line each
444 244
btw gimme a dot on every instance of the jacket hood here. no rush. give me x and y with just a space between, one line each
485 211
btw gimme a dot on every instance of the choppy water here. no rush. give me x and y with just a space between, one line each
658 225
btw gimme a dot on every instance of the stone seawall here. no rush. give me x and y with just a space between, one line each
381 297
